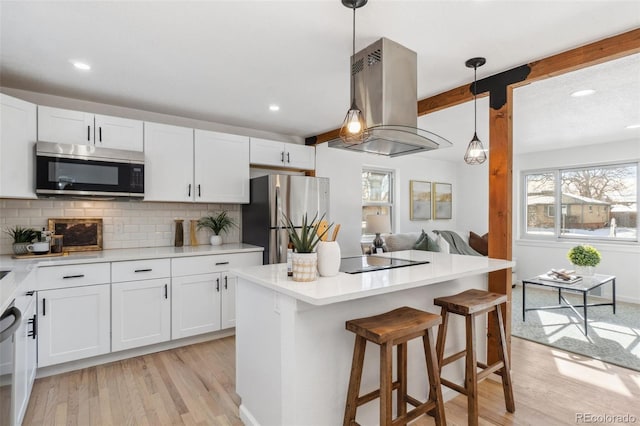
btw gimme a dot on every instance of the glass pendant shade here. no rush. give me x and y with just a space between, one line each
354 128
475 151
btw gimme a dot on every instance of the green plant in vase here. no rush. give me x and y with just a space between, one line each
304 239
217 224
21 238
584 256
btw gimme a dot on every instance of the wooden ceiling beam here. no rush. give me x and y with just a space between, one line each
594 53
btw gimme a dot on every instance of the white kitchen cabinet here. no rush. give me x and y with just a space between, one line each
195 304
78 127
266 152
204 292
140 309
141 313
168 157
17 140
221 167
26 354
73 323
208 167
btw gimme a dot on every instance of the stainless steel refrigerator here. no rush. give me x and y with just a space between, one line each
275 195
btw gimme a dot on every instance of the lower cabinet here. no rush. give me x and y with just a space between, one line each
228 302
140 313
196 305
25 355
73 323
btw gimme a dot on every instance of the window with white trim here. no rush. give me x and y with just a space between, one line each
594 202
377 194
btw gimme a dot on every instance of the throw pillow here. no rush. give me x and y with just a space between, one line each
425 242
479 243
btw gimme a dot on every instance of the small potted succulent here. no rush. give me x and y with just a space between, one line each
585 258
218 223
22 237
304 239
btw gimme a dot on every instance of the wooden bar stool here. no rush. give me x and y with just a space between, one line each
470 304
396 327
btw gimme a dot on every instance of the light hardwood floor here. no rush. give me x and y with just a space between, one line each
194 385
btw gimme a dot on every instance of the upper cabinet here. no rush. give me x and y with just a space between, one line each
280 154
17 156
200 166
77 127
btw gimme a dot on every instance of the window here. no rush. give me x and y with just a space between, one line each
588 202
377 194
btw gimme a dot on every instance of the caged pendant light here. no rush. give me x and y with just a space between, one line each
354 129
475 153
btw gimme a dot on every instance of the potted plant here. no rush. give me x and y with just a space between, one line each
22 237
304 239
216 224
584 257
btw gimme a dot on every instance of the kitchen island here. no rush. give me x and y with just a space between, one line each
293 354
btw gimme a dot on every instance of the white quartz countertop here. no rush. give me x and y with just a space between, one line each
12 284
342 287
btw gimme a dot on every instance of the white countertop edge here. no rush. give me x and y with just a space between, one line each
276 279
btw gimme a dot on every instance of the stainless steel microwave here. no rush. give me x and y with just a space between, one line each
84 170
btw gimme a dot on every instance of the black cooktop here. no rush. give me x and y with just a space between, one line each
359 264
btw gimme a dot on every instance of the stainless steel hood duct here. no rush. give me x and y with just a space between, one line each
386 86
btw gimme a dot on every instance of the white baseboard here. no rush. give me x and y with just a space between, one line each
246 416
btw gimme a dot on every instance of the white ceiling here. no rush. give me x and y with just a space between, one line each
226 61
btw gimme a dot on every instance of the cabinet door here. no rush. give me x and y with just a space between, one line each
195 304
267 153
73 323
17 138
221 167
300 156
168 169
141 313
25 352
118 133
64 125
228 304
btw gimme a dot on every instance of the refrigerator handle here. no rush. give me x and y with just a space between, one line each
279 215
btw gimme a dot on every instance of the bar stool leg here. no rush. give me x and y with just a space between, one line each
507 388
401 396
442 332
354 381
433 370
386 384
471 375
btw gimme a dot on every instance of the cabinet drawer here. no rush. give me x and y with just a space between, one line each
140 270
215 263
51 277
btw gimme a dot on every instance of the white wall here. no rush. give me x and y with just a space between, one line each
344 169
535 257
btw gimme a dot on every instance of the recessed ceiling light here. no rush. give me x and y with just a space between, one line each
81 65
633 126
274 107
585 92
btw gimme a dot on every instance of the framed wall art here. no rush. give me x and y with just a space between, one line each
78 234
420 198
443 197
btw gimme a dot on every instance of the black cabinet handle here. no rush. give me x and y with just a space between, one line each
30 293
66 277
34 327
166 291
199 194
225 282
100 133
222 263
44 306
189 191
143 270
88 133
282 157
217 284
288 158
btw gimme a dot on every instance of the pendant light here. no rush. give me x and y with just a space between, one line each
475 151
354 129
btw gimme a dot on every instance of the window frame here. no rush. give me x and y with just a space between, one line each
557 229
390 205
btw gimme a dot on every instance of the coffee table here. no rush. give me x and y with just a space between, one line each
584 286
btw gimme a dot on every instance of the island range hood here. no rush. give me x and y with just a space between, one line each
386 85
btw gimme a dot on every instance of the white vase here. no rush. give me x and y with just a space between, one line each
585 271
328 258
304 266
215 240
